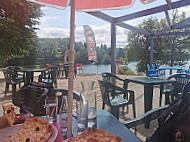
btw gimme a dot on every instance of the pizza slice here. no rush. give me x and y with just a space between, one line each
34 130
95 135
8 111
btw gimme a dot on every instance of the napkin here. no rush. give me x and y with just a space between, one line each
59 135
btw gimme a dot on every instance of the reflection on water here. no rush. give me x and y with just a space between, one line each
98 69
95 69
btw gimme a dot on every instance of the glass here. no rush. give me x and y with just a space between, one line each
51 109
63 116
89 94
82 113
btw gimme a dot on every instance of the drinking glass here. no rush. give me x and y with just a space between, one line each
89 94
82 114
51 109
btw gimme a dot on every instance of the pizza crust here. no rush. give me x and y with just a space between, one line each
9 114
95 135
34 130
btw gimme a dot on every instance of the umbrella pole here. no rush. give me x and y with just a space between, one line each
71 68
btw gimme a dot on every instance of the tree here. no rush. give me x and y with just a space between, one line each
18 19
139 45
175 48
81 56
106 59
168 50
49 50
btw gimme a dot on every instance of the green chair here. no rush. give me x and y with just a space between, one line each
171 91
49 76
148 116
114 79
114 100
11 78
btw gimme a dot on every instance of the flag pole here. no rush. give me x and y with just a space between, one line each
71 68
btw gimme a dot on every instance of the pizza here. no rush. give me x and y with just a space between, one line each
34 130
9 114
95 135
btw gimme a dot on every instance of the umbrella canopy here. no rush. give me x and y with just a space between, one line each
91 5
82 5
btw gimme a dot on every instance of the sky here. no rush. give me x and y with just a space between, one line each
56 23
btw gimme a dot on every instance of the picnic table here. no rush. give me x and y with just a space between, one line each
149 83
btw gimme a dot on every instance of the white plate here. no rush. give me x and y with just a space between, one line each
6 132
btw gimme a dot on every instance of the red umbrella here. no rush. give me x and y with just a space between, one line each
89 5
82 5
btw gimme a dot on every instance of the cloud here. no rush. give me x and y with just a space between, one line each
186 10
44 8
50 32
44 21
102 34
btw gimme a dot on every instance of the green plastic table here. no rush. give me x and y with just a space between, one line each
149 83
30 74
109 123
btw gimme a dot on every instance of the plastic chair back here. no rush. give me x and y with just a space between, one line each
153 66
148 67
78 66
181 80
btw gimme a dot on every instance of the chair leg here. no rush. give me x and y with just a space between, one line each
115 111
160 101
123 108
103 105
134 110
55 83
13 89
62 73
6 88
167 99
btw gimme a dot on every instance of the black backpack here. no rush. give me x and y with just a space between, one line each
31 98
174 123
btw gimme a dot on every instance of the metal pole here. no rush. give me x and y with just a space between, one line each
97 66
151 50
71 68
113 48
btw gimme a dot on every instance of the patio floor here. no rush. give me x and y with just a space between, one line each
139 99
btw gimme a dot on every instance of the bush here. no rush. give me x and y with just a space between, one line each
124 70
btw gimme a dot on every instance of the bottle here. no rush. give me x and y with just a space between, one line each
63 116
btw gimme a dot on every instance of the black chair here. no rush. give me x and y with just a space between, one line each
148 116
171 91
115 101
12 78
18 72
114 79
49 76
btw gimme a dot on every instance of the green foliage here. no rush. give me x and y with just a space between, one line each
124 70
81 56
18 19
106 59
168 50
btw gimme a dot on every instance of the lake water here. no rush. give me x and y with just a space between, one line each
98 69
